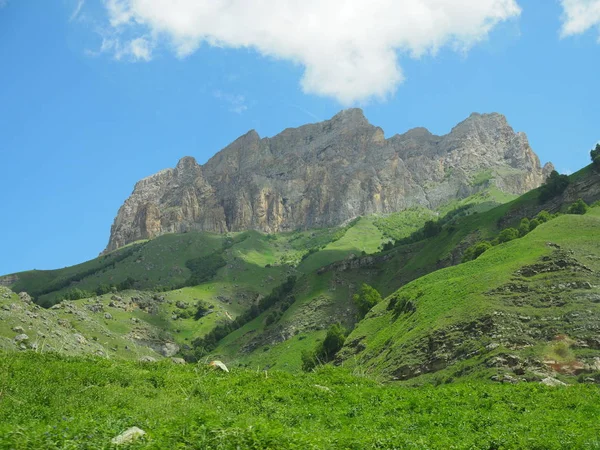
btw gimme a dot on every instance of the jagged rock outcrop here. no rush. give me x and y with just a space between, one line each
326 173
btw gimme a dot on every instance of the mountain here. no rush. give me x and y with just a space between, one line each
325 174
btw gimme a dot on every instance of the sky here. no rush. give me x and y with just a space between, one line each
97 94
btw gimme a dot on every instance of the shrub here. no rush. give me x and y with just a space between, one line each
533 224
508 234
555 185
326 350
579 207
334 341
431 228
595 155
201 309
524 227
543 216
475 250
365 299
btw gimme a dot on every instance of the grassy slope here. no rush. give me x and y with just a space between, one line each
457 294
258 262
54 402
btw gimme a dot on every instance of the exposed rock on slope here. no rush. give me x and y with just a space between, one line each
326 173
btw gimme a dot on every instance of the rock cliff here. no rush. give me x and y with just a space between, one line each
326 173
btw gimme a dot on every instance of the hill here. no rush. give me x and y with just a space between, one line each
260 300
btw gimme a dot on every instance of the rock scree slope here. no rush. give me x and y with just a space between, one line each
324 174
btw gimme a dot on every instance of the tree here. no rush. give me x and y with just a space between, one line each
334 341
476 250
201 309
326 350
555 185
543 216
365 299
533 224
508 234
579 207
595 155
524 226
431 228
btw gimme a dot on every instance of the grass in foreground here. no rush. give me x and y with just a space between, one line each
52 402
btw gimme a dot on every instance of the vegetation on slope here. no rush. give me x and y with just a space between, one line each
54 402
521 298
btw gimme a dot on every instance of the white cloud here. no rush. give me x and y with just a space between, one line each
348 48
579 16
77 10
236 103
138 49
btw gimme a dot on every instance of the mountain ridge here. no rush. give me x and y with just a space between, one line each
324 174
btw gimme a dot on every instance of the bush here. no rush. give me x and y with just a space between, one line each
365 299
533 224
543 216
431 228
524 227
579 207
201 309
476 250
334 341
555 185
507 235
326 350
595 155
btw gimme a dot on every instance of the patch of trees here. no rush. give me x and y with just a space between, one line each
208 343
365 299
204 268
108 261
554 186
77 293
579 207
326 350
507 235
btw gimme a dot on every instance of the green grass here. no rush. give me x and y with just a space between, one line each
54 402
363 236
459 295
402 224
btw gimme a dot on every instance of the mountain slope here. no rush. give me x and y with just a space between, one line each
324 174
528 307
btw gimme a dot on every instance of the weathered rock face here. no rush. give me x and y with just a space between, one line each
326 173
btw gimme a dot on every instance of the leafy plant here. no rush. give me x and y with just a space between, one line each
365 299
579 207
554 186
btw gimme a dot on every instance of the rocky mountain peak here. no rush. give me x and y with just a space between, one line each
324 174
350 117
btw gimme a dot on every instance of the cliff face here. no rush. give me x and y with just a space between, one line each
324 174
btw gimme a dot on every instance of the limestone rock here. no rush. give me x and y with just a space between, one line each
147 359
127 436
325 174
25 297
21 338
549 381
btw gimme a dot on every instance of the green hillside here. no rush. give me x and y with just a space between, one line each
54 402
170 294
534 299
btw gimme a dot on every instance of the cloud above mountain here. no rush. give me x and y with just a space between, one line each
349 49
580 16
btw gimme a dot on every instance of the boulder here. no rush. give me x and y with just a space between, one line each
128 436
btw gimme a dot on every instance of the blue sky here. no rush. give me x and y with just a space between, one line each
95 95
